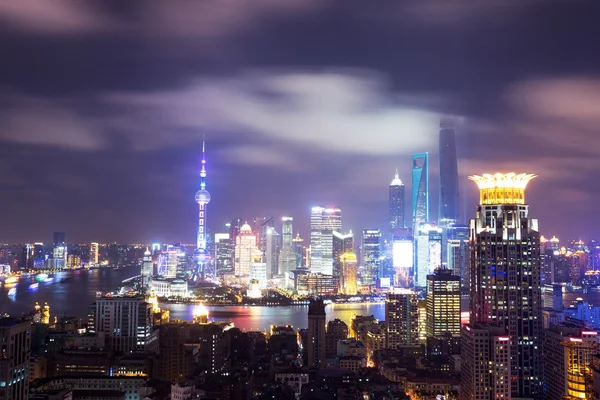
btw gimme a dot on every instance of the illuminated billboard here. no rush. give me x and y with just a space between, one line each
402 251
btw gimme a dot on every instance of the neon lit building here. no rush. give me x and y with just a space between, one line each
147 268
402 260
323 221
202 198
371 256
93 253
420 189
287 256
443 304
396 205
505 274
428 252
245 248
348 278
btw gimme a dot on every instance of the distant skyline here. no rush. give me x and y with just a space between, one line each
303 103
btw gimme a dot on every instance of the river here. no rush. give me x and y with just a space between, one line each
71 292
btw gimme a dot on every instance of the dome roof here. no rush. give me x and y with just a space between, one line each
246 228
202 196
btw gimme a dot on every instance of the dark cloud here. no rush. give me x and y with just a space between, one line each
103 106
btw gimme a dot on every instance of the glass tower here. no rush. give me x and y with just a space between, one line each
448 172
420 189
396 204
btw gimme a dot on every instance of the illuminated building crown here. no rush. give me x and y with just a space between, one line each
502 188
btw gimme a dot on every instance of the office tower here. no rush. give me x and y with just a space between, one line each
371 256
59 251
420 189
485 362
299 250
272 245
125 321
316 334
505 274
342 243
259 270
402 261
396 203
428 251
147 268
348 276
94 253
201 255
401 318
234 229
448 173
245 247
14 364
288 261
457 248
323 221
224 254
167 263
337 330
443 304
568 351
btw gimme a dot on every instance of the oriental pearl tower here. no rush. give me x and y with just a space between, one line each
201 255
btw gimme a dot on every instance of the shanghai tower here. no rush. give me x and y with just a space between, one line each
448 173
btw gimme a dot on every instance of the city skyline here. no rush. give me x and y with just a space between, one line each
118 129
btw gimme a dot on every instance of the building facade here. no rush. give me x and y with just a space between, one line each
401 318
396 203
370 251
448 173
505 274
14 364
316 345
126 322
323 221
420 189
245 247
443 304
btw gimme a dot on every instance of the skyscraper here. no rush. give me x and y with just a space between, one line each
401 318
125 321
396 205
287 256
458 255
224 254
371 256
342 243
245 247
443 304
59 251
14 364
348 276
428 252
147 268
420 189
316 334
505 274
202 198
93 253
448 173
272 245
323 221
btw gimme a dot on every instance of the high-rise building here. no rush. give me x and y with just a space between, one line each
93 253
147 268
337 330
402 261
443 304
458 257
300 251
396 203
14 364
287 256
202 198
224 254
125 321
316 345
245 247
420 189
448 172
428 252
342 243
259 270
568 351
485 362
59 251
348 276
323 221
505 274
272 246
371 256
401 318
167 262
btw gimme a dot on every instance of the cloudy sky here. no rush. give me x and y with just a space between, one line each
103 106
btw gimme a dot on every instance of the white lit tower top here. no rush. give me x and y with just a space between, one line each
202 198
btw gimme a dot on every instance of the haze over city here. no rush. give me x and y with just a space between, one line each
303 103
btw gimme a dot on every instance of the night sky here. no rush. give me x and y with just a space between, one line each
303 102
